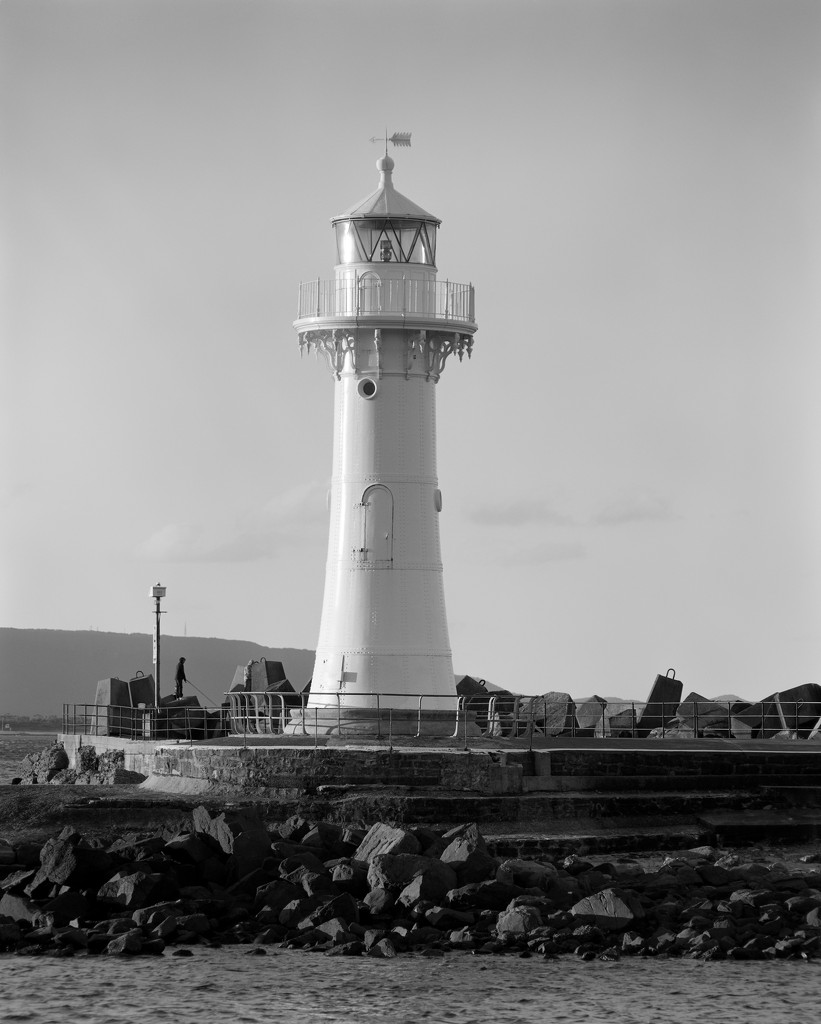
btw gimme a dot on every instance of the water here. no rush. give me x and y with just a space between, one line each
295 986
13 748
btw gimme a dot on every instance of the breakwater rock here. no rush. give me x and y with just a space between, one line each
387 891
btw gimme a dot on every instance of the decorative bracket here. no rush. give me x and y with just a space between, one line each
335 345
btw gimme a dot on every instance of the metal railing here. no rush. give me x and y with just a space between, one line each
367 295
149 723
506 717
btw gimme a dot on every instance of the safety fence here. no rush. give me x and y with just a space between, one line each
146 723
464 719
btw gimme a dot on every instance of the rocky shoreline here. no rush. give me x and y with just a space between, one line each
228 878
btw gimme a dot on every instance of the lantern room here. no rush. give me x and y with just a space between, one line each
386 227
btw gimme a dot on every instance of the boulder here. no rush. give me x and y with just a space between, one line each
428 886
40 768
607 910
384 839
384 949
228 825
136 889
517 921
394 871
127 944
467 855
526 873
18 908
490 895
64 862
379 902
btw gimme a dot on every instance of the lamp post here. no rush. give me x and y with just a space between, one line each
158 593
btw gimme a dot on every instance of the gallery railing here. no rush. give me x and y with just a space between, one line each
366 295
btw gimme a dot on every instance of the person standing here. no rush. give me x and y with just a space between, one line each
179 677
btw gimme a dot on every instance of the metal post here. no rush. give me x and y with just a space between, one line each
663 725
157 614
378 719
158 593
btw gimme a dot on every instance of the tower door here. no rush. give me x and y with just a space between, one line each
377 525
370 293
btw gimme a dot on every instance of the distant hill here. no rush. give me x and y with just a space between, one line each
42 669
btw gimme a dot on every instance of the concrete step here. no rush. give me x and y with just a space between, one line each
810 784
756 826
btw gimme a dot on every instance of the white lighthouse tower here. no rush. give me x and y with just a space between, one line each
386 326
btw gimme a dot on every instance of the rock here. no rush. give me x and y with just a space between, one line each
517 922
354 948
127 944
483 896
448 918
135 890
314 883
294 828
38 769
305 859
191 848
63 862
384 949
226 827
275 895
430 885
383 839
67 905
379 902
526 873
336 929
394 871
18 908
250 851
608 910
467 855
350 878
71 937
10 934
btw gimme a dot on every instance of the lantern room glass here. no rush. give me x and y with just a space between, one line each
369 239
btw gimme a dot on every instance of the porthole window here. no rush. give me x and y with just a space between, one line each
367 387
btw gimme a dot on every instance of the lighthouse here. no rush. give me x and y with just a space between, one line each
386 327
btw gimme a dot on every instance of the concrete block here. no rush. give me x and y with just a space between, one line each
661 705
113 692
142 690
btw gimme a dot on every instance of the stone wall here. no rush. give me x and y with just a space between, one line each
292 770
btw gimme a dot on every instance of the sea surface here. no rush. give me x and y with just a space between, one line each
13 748
299 987
309 988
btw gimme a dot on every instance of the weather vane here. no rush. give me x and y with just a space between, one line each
398 139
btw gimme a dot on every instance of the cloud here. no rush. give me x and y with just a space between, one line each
641 508
194 542
547 552
518 513
286 519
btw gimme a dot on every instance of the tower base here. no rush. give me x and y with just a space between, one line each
382 723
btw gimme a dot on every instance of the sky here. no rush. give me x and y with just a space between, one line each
630 460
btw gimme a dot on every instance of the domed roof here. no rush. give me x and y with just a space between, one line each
386 201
